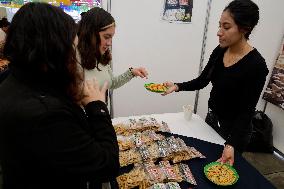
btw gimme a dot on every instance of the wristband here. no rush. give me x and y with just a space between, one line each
229 146
130 69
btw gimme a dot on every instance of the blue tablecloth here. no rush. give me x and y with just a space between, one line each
249 178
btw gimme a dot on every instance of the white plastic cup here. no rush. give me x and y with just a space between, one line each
187 112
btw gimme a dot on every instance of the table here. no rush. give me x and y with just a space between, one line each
198 134
196 127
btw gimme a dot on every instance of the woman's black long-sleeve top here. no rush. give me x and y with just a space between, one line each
235 91
47 141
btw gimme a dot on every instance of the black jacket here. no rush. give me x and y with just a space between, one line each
46 141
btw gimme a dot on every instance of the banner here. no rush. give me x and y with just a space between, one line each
274 92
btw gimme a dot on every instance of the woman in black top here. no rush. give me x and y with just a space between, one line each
46 139
237 72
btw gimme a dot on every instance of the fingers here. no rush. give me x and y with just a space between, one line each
231 162
92 91
144 72
168 84
168 91
141 72
221 160
227 160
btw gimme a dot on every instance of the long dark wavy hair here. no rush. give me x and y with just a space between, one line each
93 22
40 43
245 14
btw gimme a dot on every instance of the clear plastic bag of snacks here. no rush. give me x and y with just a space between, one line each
186 173
126 127
170 173
195 153
149 136
144 153
154 151
169 185
135 178
164 148
129 157
125 142
154 173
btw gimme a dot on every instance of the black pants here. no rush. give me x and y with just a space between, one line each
223 128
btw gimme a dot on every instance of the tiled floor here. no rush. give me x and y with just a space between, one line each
269 165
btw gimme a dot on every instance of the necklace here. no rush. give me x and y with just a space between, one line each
230 58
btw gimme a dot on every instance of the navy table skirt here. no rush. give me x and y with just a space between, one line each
249 178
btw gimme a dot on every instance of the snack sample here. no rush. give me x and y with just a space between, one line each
221 174
155 87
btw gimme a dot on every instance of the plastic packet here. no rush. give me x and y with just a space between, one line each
154 172
164 149
125 142
137 138
152 135
164 127
129 157
169 185
169 171
144 152
193 153
126 127
174 144
154 150
186 173
159 186
173 185
135 178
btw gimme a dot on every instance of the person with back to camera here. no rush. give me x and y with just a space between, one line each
47 141
96 30
237 72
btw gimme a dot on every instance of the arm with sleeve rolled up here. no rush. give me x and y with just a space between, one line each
120 80
69 149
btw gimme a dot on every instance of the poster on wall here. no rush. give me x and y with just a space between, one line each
274 92
178 11
72 7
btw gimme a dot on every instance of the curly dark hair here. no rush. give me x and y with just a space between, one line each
40 43
245 14
93 22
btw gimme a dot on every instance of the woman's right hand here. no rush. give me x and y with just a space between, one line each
92 92
171 87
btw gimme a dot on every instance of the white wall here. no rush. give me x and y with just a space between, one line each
172 52
267 38
169 52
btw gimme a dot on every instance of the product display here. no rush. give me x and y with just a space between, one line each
144 144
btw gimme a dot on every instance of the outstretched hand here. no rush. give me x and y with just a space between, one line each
141 72
171 87
227 155
92 91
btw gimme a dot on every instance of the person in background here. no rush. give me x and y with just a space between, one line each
4 26
96 30
237 72
46 139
